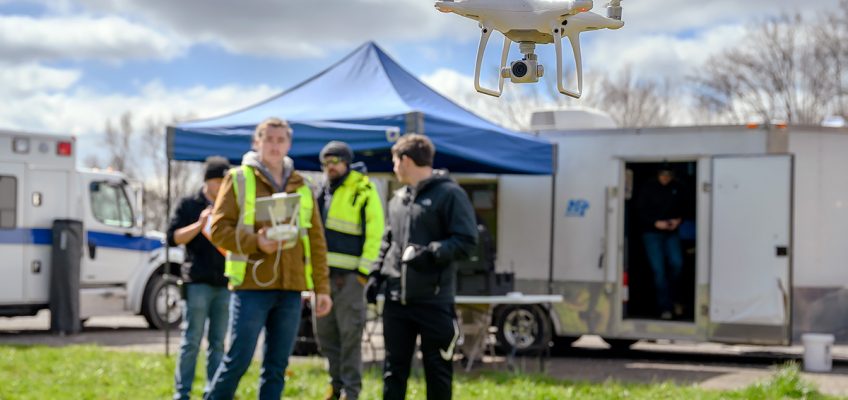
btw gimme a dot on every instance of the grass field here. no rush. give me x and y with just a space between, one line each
89 372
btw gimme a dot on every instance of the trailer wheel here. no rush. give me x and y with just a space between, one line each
523 329
161 303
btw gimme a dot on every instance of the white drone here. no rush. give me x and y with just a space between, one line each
529 22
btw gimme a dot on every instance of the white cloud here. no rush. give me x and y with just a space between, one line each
658 55
84 112
293 29
666 16
27 79
24 38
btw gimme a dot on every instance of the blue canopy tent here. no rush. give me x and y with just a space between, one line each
368 101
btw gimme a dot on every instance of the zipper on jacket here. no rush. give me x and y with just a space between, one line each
408 227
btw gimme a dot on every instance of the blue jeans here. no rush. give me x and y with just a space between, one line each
666 259
203 303
278 312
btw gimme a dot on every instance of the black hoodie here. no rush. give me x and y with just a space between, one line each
435 214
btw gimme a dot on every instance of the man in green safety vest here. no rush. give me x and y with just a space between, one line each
266 276
353 225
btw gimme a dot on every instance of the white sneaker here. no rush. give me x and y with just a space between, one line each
665 315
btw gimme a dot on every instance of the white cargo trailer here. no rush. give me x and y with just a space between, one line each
763 237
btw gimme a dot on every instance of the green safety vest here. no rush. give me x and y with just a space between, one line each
345 216
244 181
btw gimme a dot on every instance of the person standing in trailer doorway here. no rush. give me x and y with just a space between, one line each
660 211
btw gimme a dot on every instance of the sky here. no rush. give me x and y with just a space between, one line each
68 66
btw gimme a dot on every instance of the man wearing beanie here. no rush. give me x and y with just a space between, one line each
353 225
205 294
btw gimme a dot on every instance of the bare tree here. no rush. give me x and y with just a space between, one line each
786 68
141 156
632 102
186 177
119 143
831 37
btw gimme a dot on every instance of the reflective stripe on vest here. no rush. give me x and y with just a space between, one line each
347 261
306 206
244 182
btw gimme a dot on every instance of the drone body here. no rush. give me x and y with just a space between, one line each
531 22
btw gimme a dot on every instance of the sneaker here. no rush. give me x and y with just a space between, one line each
332 394
678 310
666 315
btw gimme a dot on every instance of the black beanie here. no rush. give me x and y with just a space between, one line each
337 149
216 167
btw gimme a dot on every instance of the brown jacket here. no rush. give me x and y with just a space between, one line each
291 274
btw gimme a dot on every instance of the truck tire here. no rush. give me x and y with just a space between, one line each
159 313
523 329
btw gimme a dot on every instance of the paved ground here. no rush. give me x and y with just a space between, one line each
707 365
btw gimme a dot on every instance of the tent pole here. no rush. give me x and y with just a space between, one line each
167 263
553 219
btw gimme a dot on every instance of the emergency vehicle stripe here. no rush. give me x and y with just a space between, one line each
44 236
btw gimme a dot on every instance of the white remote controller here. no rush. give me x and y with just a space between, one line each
281 233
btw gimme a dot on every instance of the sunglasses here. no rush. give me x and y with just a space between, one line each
330 161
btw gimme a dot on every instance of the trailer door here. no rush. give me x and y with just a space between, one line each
750 255
13 236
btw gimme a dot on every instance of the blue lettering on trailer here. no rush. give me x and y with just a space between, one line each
577 208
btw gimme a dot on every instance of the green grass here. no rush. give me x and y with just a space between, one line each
90 372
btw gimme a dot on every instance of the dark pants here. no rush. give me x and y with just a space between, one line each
436 323
666 259
251 311
340 334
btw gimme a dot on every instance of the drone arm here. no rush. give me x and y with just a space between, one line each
484 39
574 38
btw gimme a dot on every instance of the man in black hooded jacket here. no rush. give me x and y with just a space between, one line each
431 224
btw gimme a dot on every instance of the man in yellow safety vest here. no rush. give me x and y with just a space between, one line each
266 276
353 225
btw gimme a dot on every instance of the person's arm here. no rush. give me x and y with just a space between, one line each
225 217
189 232
320 270
179 221
375 224
462 230
385 244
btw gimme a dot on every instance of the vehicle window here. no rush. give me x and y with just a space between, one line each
8 201
110 205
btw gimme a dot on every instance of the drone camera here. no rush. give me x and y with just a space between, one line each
523 71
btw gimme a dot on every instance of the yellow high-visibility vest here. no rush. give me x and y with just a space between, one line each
244 181
345 216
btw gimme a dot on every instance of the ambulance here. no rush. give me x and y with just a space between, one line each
123 266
